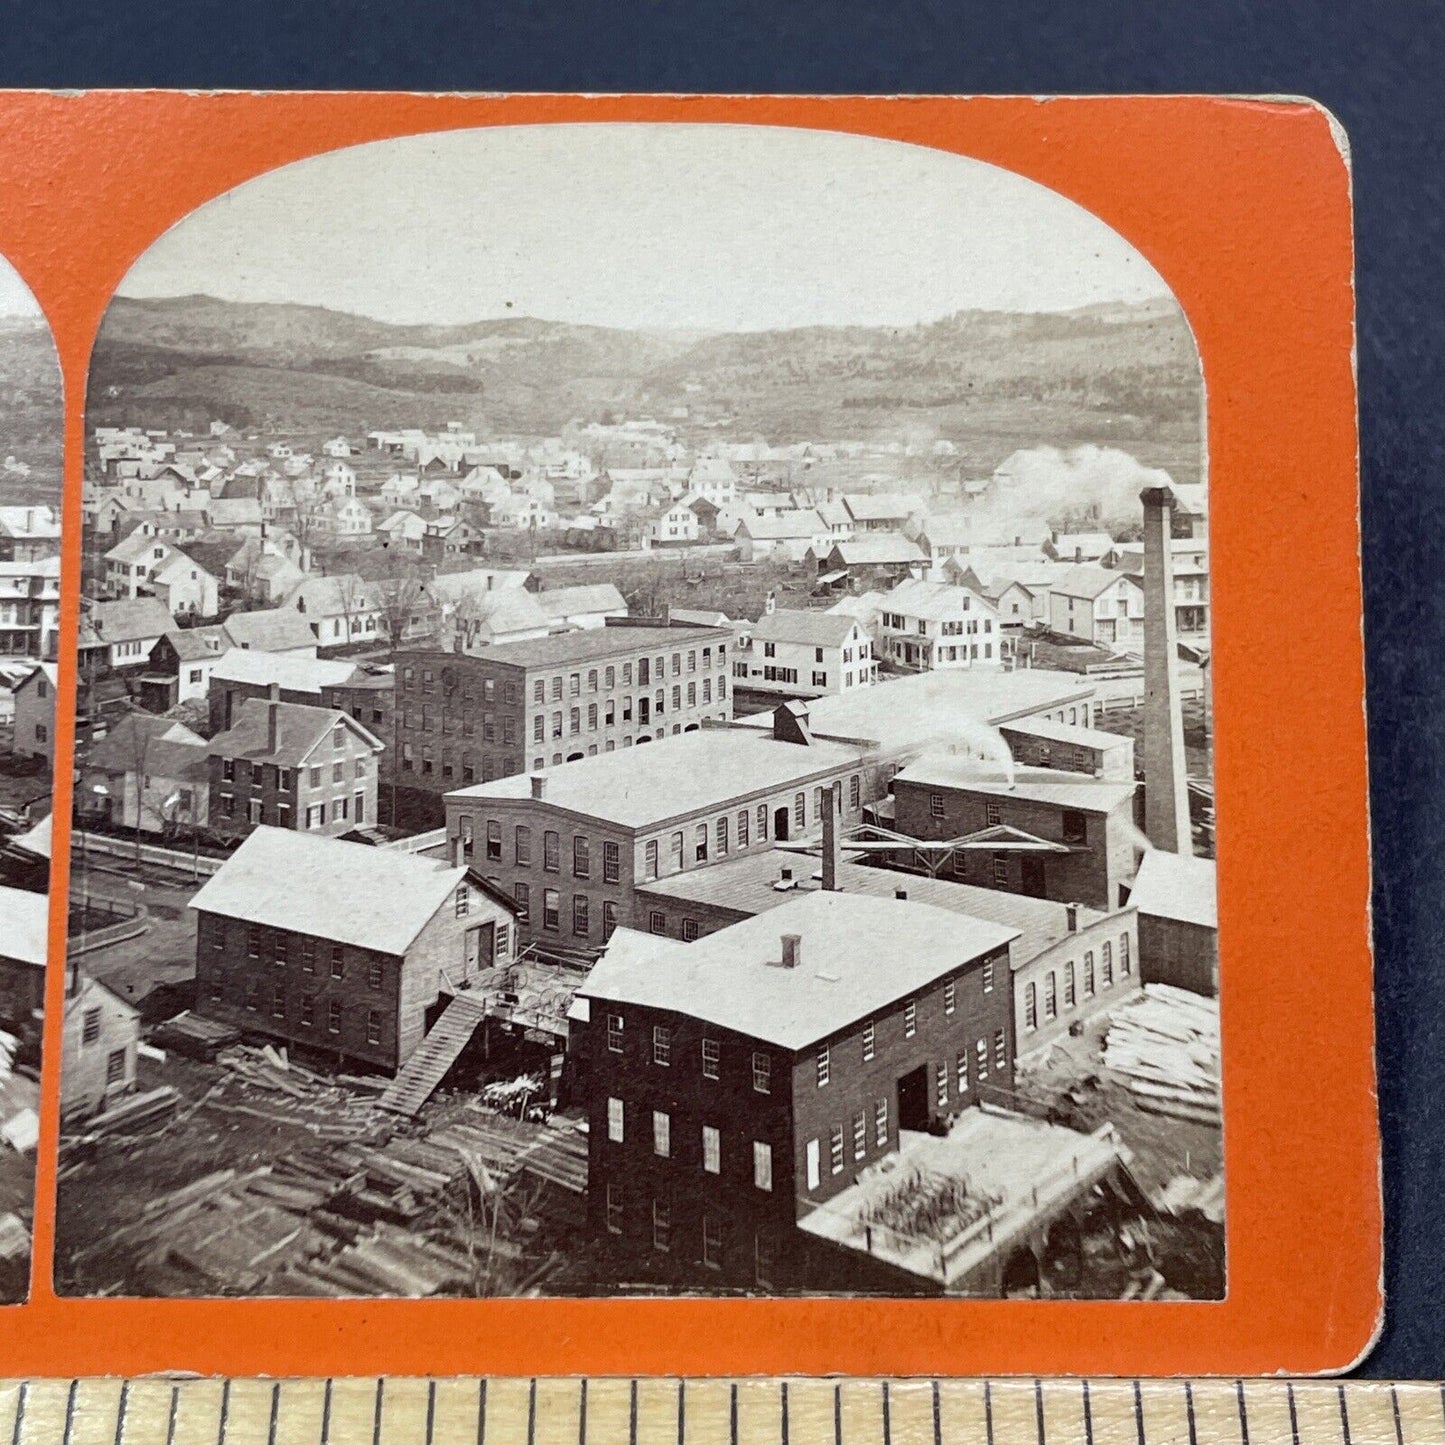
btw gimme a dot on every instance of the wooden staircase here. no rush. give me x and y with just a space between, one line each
437 1052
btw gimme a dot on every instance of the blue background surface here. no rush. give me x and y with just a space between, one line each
1377 66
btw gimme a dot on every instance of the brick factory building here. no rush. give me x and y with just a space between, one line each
350 958
739 1083
466 718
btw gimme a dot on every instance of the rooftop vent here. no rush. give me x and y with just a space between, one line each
792 950
539 786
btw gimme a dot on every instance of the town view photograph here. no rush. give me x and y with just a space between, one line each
31 433
643 728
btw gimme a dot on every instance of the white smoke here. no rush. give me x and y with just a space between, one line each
1045 484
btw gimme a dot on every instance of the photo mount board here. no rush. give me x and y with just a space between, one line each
1243 207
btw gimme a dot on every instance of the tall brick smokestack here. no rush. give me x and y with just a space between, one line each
832 842
1166 789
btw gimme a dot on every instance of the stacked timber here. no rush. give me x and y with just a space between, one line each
135 1114
194 1036
1164 1048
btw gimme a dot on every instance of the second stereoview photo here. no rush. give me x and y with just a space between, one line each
660 746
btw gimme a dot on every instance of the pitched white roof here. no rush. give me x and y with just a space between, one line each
734 978
292 672
1176 886
373 898
24 926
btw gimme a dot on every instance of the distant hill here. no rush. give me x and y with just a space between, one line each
1121 375
32 418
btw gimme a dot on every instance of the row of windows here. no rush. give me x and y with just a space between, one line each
710 1154
335 1015
648 670
1071 994
507 691
279 814
426 721
280 946
606 714
662 1052
712 1241
242 770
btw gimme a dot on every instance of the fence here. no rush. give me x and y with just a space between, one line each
158 857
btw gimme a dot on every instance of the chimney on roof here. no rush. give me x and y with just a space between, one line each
790 724
792 949
832 843
539 787
1071 912
273 724
459 852
901 894
787 874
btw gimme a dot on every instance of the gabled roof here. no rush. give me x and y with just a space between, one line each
559 602
139 741
1088 582
290 672
234 512
191 644
140 547
336 596
734 978
48 670
300 729
126 619
1177 887
879 506
812 629
932 601
374 898
879 550
784 526
270 629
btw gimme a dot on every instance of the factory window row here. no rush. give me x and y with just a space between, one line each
491 690
281 947
1076 986
708 1156
242 772
847 1141
459 723
712 1239
276 1001
425 763
647 670
710 1052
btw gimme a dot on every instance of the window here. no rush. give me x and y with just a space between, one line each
860 1135
1124 954
699 842
1000 872
762 1261
1089 975
661 1134
333 1017
556 724
373 1026
591 717
824 1067
868 1041
962 1071
935 805
711 1150
649 858
614 1120
988 975
762 822
574 685
743 829
942 1082
462 899
375 973
880 1122
551 852
90 1028
574 720
1000 1049
522 896
762 1166
1069 984
657 921
253 940
993 814
835 1149
522 843
115 1067
662 1045
1106 963
551 909
539 728
609 919
611 862
853 793
1074 826
581 857
762 1073
910 1019
280 948
676 848
711 1056
614 1208
581 915
980 1059
711 1242
253 994
950 996
800 810
1051 996
722 836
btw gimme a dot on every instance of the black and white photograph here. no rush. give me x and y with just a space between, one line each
31 431
643 728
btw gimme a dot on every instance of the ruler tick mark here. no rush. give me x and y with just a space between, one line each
1088 1417
275 1411
733 1413
1344 1414
225 1408
1189 1412
582 1415
1293 1413
887 1417
1395 1406
1039 1410
532 1411
1243 1415
431 1409
937 1416
988 1411
1139 1413
482 1411
376 1414
120 1411
681 1410
783 1405
171 1414
326 1413
837 1415
632 1414
69 1411
20 1411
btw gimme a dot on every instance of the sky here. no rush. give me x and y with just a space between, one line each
15 297
717 228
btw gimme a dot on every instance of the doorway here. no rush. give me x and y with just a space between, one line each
479 948
780 825
1032 871
913 1099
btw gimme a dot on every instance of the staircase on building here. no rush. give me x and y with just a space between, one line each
418 1078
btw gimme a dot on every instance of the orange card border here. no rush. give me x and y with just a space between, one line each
1244 208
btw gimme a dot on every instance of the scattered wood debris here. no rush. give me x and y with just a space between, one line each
1164 1047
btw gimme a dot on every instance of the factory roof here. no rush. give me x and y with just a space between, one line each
1057 732
752 883
942 769
1177 887
373 898
585 643
559 602
674 777
290 672
911 713
735 978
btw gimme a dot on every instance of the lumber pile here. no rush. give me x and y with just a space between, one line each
135 1113
1164 1048
194 1036
559 1157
